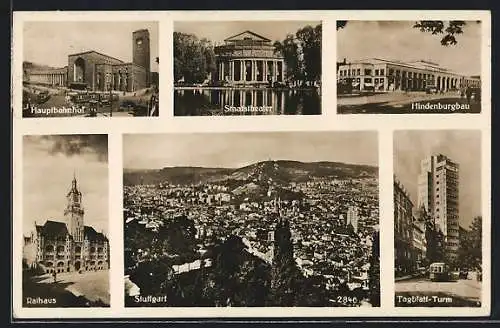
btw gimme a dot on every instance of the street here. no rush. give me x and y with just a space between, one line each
92 286
411 103
423 292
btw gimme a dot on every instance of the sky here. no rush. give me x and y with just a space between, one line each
234 150
398 40
461 146
50 43
49 163
217 31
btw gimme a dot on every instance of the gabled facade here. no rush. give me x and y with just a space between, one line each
67 246
248 58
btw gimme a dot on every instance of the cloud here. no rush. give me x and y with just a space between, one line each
75 145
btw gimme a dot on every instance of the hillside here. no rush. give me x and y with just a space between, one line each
259 174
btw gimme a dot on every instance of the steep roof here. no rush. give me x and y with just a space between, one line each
93 235
247 34
54 229
39 228
97 53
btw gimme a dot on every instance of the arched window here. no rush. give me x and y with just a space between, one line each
79 70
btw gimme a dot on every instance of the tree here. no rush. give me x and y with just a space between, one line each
302 53
176 237
450 29
435 242
194 59
289 49
341 24
470 245
152 276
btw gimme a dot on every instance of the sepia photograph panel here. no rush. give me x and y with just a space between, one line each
437 218
65 221
405 67
267 219
247 68
90 69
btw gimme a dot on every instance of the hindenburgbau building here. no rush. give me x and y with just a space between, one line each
384 75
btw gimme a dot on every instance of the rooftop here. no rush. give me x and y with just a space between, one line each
247 36
95 52
418 64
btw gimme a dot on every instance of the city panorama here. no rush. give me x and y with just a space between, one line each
251 220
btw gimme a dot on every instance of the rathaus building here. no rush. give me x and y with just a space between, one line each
67 246
92 70
248 59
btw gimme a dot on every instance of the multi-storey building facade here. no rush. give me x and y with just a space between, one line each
438 192
419 242
248 59
67 246
405 261
99 72
385 75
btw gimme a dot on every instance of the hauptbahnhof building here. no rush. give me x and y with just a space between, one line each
385 75
248 59
95 71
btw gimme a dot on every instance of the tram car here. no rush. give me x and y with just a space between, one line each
93 99
35 96
440 271
106 98
78 98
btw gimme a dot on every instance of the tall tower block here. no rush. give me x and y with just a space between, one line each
438 192
141 51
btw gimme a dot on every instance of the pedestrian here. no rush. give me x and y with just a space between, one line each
54 275
468 94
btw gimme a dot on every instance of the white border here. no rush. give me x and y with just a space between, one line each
385 124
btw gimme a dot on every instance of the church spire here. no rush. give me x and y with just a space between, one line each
73 183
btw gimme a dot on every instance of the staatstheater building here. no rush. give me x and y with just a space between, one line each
385 75
248 59
95 71
67 246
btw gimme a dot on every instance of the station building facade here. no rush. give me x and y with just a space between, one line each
248 59
95 71
385 75
58 246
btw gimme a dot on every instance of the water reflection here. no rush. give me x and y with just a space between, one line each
199 102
